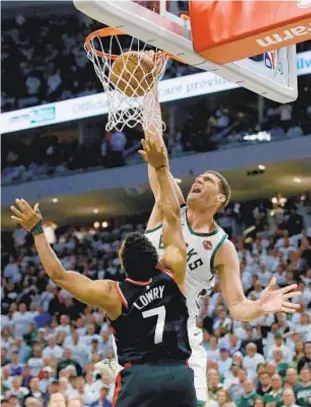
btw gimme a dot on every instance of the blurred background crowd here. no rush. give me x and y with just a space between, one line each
50 342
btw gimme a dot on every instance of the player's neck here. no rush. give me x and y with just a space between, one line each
200 220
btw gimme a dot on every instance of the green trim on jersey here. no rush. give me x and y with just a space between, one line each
201 234
215 251
153 229
201 403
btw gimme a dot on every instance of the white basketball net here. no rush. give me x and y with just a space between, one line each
131 110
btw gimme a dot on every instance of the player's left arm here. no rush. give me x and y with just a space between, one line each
174 257
100 293
240 308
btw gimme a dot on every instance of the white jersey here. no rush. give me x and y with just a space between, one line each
201 251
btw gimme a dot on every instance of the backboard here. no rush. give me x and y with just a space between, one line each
160 24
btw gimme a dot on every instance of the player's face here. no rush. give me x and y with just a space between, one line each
205 191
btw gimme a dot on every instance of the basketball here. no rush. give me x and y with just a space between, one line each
132 73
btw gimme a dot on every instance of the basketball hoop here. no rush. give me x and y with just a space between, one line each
135 102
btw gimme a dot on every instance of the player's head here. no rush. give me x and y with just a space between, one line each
211 191
138 257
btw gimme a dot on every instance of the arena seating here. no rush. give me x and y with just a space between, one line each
50 342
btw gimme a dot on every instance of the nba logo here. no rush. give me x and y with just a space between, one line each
269 59
207 245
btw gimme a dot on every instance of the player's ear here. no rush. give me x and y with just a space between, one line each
221 198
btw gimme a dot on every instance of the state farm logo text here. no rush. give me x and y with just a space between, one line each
285 36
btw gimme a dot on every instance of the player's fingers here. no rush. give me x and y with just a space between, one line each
292 294
288 310
20 204
144 144
290 305
143 154
17 212
26 205
17 220
288 288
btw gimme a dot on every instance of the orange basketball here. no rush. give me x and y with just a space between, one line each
133 73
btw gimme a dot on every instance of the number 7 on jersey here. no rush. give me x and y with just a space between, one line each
160 313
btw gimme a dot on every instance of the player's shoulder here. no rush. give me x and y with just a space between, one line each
226 252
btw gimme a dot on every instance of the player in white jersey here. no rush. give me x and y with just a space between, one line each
209 251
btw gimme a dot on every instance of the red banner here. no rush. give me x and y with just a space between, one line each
226 31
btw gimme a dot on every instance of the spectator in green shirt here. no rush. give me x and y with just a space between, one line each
280 365
291 377
289 399
276 393
303 389
249 397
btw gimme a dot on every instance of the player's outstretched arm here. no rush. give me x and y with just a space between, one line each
154 131
240 308
174 257
100 293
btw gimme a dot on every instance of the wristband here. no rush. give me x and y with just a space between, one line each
38 229
162 166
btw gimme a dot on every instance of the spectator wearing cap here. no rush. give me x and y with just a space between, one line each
278 361
289 399
252 360
102 401
303 388
276 393
249 395
224 363
45 378
279 344
52 350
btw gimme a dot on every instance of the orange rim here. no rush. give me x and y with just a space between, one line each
109 32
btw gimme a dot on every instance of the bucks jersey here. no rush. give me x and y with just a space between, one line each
201 251
153 323
303 395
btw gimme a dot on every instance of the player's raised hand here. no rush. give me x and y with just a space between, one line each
154 153
272 300
25 215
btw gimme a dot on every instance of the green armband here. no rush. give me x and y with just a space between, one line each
38 229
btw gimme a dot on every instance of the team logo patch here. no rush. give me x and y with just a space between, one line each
207 244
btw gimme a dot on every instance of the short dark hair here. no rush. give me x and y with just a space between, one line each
225 188
139 257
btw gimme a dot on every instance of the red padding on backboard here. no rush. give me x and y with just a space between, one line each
226 31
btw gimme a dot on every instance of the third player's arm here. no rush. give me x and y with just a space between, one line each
156 215
175 256
100 293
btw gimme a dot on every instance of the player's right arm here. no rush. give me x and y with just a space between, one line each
155 134
100 293
175 256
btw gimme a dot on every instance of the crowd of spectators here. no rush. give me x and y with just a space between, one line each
50 342
30 156
49 64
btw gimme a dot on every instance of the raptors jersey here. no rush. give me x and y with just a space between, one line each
201 251
153 323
